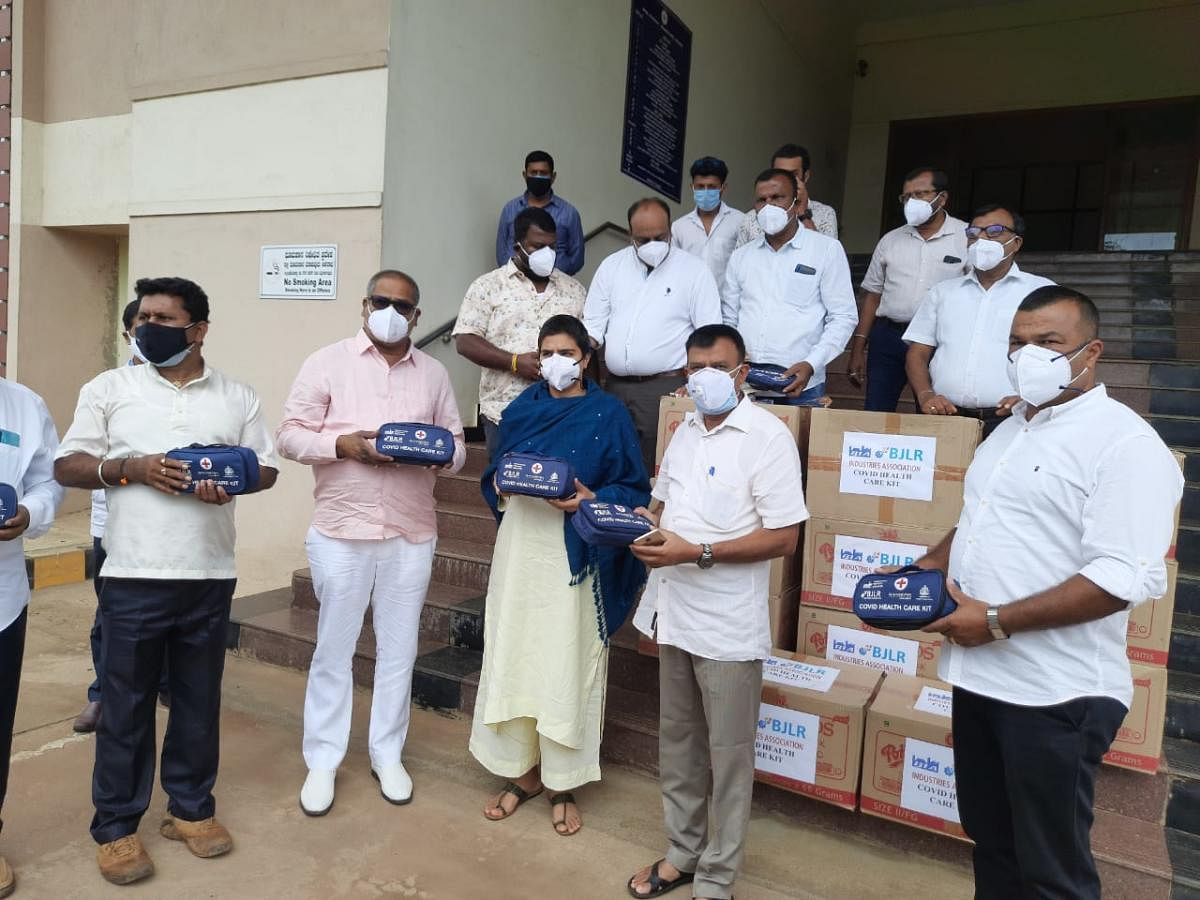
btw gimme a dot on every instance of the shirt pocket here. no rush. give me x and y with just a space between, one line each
720 501
801 286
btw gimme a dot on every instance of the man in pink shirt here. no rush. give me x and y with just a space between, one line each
373 530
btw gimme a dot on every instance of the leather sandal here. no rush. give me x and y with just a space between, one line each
522 795
559 824
658 884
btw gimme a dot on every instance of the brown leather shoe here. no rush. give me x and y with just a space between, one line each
206 838
124 860
86 721
8 879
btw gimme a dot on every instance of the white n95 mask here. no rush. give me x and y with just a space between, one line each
773 219
714 391
388 326
541 261
560 372
1039 374
917 212
985 255
652 253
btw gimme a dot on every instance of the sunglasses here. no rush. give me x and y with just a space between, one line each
403 307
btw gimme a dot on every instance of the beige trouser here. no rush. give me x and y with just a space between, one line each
708 717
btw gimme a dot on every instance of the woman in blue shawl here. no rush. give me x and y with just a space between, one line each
553 601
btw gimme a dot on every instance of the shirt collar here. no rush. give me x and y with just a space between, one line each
154 373
524 200
1014 271
1076 406
796 241
512 271
363 344
722 211
949 226
740 418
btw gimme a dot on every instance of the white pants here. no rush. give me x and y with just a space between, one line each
392 576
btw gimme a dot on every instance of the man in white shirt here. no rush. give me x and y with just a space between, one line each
958 340
710 230
498 323
28 442
169 575
1067 514
813 214
643 303
728 500
907 262
789 294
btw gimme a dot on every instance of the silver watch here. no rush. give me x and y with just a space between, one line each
993 623
706 560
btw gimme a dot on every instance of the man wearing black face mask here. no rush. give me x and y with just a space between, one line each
169 575
539 177
498 323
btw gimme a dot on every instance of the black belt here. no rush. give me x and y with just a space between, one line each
637 379
891 323
982 414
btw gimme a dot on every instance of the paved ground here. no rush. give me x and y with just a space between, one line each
439 848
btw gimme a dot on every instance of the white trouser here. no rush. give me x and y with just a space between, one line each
392 576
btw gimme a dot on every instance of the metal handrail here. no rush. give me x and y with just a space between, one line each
443 331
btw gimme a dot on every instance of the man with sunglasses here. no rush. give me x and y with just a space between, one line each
498 323
373 530
959 336
929 248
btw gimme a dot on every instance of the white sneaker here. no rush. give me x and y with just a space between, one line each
394 783
316 797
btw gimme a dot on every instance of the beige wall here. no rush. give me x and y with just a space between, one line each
1035 54
263 342
543 74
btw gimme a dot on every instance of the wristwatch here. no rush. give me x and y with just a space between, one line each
706 560
993 624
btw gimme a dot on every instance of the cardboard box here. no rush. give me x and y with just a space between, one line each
888 467
783 610
908 762
671 411
1149 631
1138 744
1182 460
838 552
894 652
824 765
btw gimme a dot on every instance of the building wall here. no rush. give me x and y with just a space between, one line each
526 74
1011 56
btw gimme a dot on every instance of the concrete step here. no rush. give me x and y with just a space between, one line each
466 522
462 489
1183 769
1184 850
1185 642
477 461
462 563
1187 594
1183 706
1187 547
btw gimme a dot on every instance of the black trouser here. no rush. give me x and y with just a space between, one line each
886 377
491 436
12 651
988 417
96 636
1025 777
145 621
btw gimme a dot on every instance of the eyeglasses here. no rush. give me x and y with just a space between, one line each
919 195
403 307
992 231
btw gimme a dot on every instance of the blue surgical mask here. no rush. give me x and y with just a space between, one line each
707 199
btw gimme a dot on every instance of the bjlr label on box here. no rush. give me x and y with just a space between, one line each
793 673
928 784
888 465
874 651
935 700
786 743
856 557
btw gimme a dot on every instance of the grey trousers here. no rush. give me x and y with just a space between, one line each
707 720
641 398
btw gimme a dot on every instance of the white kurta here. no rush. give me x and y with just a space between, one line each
541 691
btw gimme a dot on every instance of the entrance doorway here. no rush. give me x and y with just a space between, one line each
1085 178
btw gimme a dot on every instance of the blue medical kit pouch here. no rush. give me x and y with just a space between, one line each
768 378
229 467
906 600
609 524
8 502
534 475
415 443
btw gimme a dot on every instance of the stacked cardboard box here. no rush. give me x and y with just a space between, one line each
810 727
785 571
842 637
908 760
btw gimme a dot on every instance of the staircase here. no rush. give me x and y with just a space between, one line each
1150 308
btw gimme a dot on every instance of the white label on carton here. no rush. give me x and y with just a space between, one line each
856 557
786 743
793 673
928 785
934 700
875 651
888 465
